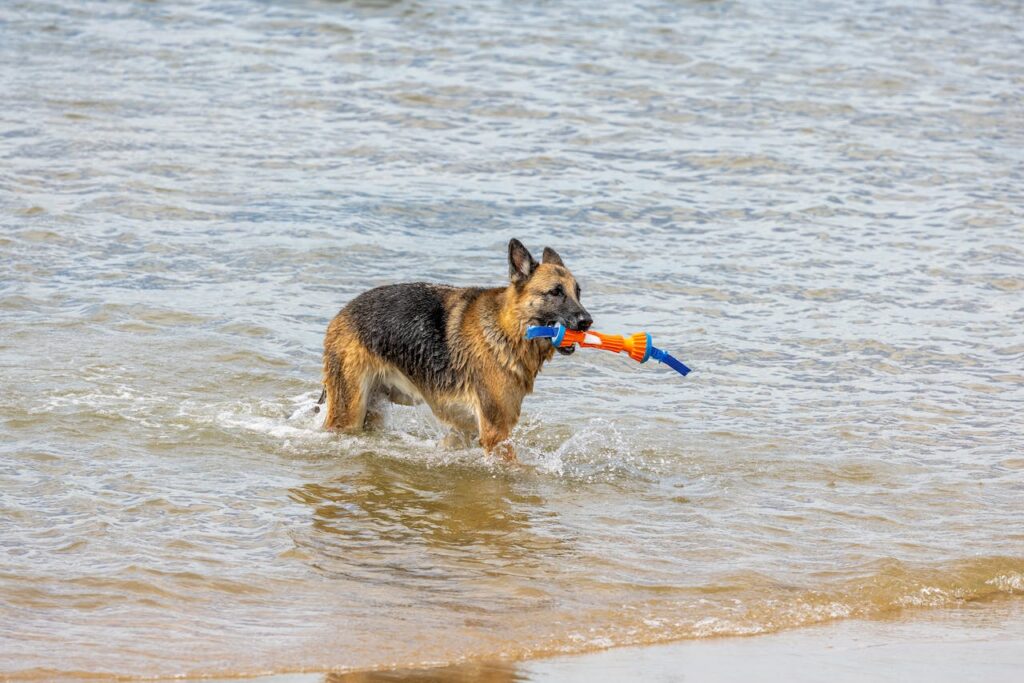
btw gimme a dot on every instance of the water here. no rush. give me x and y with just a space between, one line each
817 206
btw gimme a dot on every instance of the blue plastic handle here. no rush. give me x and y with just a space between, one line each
666 358
541 332
556 333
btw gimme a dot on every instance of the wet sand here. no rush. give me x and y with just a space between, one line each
977 642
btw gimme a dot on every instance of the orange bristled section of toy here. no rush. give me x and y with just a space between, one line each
635 344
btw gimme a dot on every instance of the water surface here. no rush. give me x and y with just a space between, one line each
818 206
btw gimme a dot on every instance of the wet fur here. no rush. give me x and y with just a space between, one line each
459 349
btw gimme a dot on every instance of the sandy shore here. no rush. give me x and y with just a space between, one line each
983 643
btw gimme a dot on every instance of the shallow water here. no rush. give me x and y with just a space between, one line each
817 206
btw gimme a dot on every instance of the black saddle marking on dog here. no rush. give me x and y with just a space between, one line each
406 325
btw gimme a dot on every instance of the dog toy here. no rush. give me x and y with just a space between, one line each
638 346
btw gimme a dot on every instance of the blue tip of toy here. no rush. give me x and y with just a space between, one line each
678 366
541 332
665 357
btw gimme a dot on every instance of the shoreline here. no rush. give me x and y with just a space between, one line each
981 642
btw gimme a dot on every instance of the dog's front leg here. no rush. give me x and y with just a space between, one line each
496 423
463 426
494 440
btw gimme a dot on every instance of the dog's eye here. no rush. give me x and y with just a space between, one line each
557 291
579 293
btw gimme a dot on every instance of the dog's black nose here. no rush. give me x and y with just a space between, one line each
584 322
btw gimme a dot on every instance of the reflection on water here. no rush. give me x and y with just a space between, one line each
817 205
444 532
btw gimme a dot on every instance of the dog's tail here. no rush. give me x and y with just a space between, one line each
320 401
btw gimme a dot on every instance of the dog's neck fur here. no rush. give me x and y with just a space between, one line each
507 338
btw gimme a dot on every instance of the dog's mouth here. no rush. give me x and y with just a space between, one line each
564 350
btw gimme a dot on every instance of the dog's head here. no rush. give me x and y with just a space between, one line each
545 293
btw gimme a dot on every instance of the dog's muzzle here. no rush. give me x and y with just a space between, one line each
579 323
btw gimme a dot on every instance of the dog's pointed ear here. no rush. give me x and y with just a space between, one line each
551 256
520 263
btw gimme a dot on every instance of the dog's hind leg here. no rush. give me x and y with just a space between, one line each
375 409
348 381
348 393
335 390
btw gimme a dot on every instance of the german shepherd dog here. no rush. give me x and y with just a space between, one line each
462 350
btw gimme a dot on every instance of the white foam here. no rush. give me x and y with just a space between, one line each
270 426
1008 583
598 449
